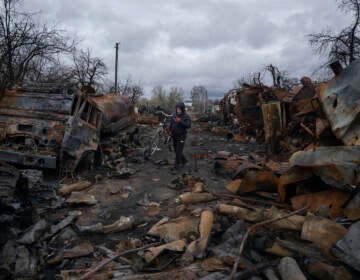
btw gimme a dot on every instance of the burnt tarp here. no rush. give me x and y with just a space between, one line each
117 112
32 122
341 102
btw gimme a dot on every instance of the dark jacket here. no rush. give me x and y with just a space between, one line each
179 130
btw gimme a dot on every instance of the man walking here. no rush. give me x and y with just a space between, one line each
180 123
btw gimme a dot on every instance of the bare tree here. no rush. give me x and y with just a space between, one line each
275 75
246 78
287 82
159 97
344 46
176 94
132 90
257 78
249 78
22 40
54 71
166 100
280 79
199 97
88 70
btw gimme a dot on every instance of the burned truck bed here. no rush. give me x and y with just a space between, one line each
32 122
47 126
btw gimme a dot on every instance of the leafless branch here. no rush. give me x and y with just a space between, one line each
344 46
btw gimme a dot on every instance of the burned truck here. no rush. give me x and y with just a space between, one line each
256 108
311 113
267 113
51 126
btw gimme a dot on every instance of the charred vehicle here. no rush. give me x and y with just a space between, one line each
48 126
91 117
325 113
340 99
256 107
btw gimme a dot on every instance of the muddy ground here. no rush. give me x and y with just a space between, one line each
145 191
152 182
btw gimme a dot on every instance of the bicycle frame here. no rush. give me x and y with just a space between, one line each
161 134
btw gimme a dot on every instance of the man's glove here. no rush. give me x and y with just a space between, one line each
178 120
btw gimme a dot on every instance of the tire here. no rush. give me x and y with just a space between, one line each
98 160
155 143
87 161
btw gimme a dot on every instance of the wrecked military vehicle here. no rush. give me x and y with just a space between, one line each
269 113
52 126
257 109
340 100
326 112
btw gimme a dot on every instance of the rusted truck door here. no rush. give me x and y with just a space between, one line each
272 116
82 135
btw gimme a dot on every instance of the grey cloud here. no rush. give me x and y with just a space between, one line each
260 33
186 42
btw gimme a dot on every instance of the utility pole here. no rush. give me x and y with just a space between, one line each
116 65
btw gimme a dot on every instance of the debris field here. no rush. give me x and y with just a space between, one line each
271 190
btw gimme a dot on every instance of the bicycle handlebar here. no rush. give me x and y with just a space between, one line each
162 113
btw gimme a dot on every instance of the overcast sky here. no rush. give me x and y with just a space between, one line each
195 42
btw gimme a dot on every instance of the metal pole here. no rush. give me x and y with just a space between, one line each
116 66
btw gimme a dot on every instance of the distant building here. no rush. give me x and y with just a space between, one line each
216 108
188 105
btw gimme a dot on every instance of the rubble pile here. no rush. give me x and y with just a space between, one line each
271 220
237 211
322 114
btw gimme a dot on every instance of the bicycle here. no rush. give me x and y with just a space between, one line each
161 136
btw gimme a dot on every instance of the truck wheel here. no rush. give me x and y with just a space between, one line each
87 161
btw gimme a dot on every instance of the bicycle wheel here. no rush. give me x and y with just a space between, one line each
155 143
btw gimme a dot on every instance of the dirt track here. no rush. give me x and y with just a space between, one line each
153 180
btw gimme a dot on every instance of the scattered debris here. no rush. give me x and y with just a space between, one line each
78 186
153 209
268 192
289 269
81 198
152 253
333 199
78 251
122 224
175 229
322 232
192 197
352 207
321 270
73 215
348 249
33 233
196 248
